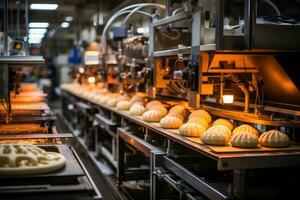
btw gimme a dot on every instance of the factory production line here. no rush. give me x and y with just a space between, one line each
204 106
35 160
137 109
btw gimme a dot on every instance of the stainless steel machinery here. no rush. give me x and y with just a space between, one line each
235 59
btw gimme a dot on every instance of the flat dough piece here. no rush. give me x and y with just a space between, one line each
26 159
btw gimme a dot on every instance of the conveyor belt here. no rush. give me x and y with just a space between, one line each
226 161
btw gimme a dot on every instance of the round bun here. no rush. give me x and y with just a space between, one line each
136 98
137 109
216 135
153 103
178 109
191 129
112 102
176 115
245 128
200 121
274 138
161 109
202 114
152 116
123 105
245 140
223 122
170 122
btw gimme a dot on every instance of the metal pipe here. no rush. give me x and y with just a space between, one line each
117 14
26 28
246 93
221 90
5 26
103 37
140 7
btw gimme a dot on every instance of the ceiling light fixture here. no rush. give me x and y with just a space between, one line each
40 6
37 31
36 35
35 40
68 18
65 24
38 25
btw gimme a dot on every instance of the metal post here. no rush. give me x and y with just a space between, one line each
239 183
194 93
219 24
18 20
121 164
26 28
5 13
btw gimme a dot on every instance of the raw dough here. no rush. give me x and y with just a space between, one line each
24 159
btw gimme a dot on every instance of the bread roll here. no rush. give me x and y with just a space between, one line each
191 129
274 138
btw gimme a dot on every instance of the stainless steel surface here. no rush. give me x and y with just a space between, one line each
138 143
22 60
170 19
193 180
35 136
183 50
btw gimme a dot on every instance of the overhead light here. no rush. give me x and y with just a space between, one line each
38 25
140 30
91 79
37 31
227 95
81 70
65 24
68 18
35 40
228 98
44 6
36 35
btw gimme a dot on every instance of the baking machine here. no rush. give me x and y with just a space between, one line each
235 59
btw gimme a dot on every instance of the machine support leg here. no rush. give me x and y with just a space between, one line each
239 183
121 164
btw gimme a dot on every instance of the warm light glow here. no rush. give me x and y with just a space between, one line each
44 6
81 70
38 25
228 98
91 79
